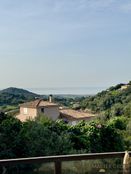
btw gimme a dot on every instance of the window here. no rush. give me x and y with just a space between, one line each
42 109
25 111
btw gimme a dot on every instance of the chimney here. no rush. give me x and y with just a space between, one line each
50 98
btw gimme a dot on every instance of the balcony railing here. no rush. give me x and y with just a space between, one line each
58 160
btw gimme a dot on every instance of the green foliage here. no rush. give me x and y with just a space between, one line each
111 132
118 123
127 136
42 118
117 110
104 138
18 91
71 101
114 109
2 117
127 110
10 142
115 101
41 140
42 136
9 108
46 137
10 98
79 138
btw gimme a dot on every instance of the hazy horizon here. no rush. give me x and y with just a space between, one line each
68 90
65 90
57 43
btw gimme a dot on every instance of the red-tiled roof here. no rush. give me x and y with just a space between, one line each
75 114
38 103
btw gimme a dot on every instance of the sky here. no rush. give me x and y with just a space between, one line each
64 43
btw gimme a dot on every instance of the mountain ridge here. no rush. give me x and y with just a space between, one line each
115 101
17 91
13 96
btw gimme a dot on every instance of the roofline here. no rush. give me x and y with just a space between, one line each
22 106
76 118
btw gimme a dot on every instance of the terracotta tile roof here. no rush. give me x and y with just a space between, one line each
75 114
38 103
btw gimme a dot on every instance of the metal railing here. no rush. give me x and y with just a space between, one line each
57 160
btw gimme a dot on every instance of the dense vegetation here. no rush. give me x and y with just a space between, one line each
113 104
70 101
116 101
46 137
110 132
10 98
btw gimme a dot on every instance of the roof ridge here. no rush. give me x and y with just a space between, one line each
38 102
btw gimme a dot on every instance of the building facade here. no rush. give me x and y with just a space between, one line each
31 110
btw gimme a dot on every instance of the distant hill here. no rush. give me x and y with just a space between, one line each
18 91
15 96
115 101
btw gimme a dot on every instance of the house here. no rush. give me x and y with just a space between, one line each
123 87
32 109
73 117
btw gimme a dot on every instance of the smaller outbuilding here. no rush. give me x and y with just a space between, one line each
73 117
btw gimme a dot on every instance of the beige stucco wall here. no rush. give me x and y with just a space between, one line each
31 112
50 112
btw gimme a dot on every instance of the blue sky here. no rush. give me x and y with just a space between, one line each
65 43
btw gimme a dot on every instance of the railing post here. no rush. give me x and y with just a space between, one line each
4 170
126 163
58 167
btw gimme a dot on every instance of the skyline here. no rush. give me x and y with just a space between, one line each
65 43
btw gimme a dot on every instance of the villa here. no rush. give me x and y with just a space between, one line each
31 110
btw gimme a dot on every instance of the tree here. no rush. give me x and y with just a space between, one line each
11 144
79 138
40 140
118 123
103 138
3 116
